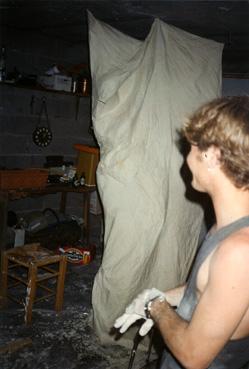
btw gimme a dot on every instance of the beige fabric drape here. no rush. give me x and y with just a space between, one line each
142 91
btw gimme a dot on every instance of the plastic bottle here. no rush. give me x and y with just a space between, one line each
3 65
19 233
82 179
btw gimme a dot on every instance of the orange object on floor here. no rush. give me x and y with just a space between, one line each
32 266
78 254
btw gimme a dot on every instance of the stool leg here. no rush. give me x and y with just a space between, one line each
31 290
4 277
60 284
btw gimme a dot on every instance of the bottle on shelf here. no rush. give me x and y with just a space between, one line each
3 64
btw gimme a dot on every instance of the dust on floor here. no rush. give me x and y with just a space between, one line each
65 340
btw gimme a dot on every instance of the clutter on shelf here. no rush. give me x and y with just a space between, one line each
74 79
54 79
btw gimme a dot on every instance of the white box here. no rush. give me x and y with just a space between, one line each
57 82
19 237
95 207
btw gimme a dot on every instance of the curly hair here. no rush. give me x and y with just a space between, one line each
224 123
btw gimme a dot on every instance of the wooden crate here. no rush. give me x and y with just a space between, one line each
87 162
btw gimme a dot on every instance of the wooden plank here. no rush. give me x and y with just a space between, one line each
3 217
15 345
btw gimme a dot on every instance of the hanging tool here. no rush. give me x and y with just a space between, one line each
136 341
42 135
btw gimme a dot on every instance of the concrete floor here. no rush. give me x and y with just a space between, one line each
64 340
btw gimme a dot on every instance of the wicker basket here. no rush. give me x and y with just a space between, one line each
23 178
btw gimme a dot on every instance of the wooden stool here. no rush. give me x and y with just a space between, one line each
35 262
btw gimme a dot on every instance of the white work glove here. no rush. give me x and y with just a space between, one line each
135 311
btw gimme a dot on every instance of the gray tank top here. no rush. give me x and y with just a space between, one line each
235 354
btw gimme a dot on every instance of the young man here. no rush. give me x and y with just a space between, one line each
210 328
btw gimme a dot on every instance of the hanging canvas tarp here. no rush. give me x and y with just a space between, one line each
142 92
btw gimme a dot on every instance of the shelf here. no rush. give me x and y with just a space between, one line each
45 90
42 89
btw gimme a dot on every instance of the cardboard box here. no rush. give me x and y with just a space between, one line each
57 82
23 178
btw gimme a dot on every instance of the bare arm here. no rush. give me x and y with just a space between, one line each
175 295
218 314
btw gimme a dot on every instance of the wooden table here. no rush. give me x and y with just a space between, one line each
15 194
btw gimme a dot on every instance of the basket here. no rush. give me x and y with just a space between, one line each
23 178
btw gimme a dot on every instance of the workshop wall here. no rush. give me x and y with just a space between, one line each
69 116
235 87
34 53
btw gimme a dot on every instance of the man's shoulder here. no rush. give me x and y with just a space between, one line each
235 247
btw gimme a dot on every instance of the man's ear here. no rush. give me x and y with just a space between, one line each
212 157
